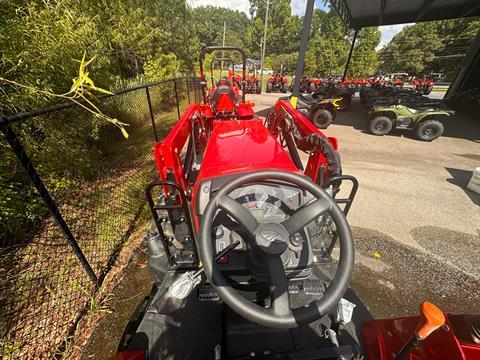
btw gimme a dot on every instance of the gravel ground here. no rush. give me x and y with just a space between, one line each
413 208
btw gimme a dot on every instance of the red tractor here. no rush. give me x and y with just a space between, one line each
277 83
423 86
253 84
242 248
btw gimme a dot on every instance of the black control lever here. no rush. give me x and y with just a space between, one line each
219 255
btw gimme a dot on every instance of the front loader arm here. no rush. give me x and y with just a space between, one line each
192 126
323 162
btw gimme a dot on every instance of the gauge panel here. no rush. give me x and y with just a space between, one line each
267 203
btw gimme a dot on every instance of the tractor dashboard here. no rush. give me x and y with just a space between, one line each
268 203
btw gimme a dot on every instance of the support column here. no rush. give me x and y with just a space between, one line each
307 24
350 55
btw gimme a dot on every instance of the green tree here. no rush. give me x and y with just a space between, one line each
328 45
282 31
411 49
364 58
208 23
288 61
39 41
420 48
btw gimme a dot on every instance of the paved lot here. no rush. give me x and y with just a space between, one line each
414 209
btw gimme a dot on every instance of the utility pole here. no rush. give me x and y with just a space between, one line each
262 56
223 44
261 49
307 23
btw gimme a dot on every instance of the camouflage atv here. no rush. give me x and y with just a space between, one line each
425 119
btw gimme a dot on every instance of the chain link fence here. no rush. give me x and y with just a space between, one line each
71 191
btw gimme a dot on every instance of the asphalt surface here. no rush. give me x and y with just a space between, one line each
413 210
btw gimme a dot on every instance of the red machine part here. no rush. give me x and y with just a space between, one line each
130 355
383 338
241 146
305 128
209 132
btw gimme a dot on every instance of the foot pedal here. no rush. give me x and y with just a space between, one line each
313 287
206 293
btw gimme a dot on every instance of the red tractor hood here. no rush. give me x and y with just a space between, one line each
240 146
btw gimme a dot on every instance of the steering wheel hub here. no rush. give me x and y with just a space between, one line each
271 238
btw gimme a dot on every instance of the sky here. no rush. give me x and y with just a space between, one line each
298 8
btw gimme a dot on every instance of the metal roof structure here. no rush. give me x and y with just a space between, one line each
363 13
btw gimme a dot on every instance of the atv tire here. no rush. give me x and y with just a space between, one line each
322 118
429 130
380 125
269 87
345 103
259 88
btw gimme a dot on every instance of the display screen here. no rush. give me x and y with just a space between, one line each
257 213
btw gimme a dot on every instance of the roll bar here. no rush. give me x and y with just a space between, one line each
217 60
210 49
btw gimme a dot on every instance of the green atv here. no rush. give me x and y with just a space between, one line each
426 119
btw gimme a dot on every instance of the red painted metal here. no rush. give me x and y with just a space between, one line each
224 103
382 338
306 128
245 110
241 146
137 354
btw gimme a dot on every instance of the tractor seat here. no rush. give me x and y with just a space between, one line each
308 98
224 99
224 81
420 109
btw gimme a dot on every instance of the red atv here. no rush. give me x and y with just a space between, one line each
277 83
241 254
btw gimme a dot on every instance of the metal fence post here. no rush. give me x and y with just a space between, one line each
188 90
176 97
152 117
52 206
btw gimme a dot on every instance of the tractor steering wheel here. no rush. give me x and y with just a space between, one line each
271 239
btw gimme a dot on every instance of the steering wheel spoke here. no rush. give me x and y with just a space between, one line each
278 286
306 214
238 212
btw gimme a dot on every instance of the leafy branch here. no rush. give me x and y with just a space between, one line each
79 93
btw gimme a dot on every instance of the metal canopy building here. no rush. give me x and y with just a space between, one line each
358 14
363 13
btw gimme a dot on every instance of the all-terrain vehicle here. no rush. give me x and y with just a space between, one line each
242 249
336 90
277 83
321 112
426 118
